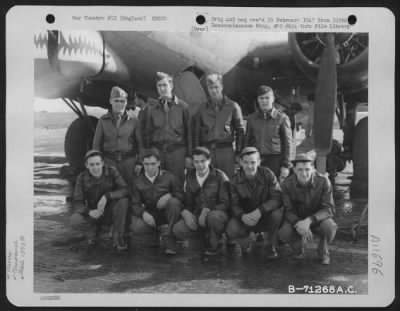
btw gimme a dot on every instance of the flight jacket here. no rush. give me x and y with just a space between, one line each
265 194
89 189
145 194
214 194
220 127
270 134
314 200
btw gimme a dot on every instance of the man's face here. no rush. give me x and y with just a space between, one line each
304 171
201 163
250 163
215 91
151 165
265 101
95 166
118 104
164 88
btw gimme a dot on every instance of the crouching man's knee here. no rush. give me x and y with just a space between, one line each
286 232
328 229
235 230
217 220
174 207
277 216
181 230
138 226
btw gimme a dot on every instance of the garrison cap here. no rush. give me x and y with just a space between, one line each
202 150
248 150
303 157
263 89
117 92
152 152
213 78
92 153
162 75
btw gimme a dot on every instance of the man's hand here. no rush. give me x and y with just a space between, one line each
255 215
148 219
138 168
203 217
251 219
248 221
101 205
189 219
162 202
188 162
303 226
307 237
95 213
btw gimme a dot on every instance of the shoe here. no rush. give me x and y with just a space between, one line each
248 249
301 255
271 253
156 240
183 243
210 252
170 246
259 240
118 242
326 260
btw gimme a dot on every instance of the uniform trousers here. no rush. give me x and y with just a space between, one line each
169 215
215 226
115 213
269 222
326 229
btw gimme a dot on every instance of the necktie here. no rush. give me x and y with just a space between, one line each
118 121
217 106
166 107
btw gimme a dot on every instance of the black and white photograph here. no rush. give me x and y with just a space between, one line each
182 161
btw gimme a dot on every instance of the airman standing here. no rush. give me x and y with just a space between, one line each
218 125
269 131
168 128
119 136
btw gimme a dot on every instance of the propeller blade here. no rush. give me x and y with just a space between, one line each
325 98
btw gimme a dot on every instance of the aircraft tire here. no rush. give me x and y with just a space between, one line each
359 185
78 140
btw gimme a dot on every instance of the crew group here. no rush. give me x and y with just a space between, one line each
166 168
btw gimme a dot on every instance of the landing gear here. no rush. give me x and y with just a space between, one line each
355 142
359 185
78 140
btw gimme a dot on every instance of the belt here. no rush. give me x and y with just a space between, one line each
119 156
214 145
168 147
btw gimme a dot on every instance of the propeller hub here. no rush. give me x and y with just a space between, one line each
340 38
347 45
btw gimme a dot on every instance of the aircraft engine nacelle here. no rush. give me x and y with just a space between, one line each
64 58
351 57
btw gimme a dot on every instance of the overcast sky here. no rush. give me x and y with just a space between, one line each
58 105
